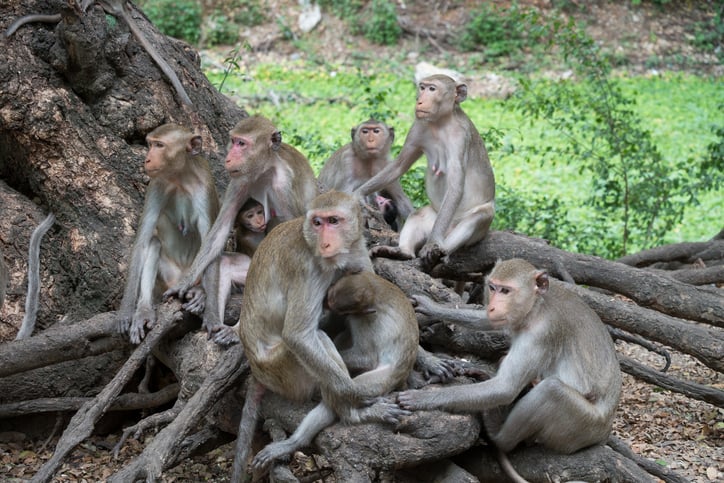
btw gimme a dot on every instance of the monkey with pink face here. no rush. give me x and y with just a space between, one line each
459 179
560 351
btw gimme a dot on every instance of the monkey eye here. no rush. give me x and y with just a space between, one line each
333 220
238 142
377 131
316 221
504 290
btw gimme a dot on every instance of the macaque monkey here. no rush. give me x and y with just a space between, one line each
251 227
180 207
355 163
380 346
282 306
459 180
559 346
262 167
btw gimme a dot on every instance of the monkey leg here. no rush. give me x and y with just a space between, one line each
471 228
554 415
318 418
416 230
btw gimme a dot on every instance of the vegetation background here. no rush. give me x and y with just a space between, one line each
603 120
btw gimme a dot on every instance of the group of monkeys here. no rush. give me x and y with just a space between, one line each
315 318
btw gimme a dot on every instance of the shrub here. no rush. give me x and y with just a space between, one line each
381 26
177 18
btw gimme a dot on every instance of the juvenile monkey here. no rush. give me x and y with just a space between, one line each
181 204
356 162
559 346
251 226
288 280
459 180
262 167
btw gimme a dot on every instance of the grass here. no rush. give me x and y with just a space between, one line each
316 106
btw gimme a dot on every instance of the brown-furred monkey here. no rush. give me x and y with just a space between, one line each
251 227
282 306
262 167
180 207
356 162
379 347
459 180
559 346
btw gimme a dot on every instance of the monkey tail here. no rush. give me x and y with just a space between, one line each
31 301
508 468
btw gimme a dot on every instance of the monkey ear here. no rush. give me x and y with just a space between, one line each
392 134
461 93
276 140
354 130
541 282
195 145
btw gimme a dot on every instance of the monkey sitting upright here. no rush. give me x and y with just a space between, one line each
558 345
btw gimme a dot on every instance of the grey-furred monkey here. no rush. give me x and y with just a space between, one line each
558 345
180 206
356 162
282 306
459 180
262 167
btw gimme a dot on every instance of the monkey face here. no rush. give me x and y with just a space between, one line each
254 220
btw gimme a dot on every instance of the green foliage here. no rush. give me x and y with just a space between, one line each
380 25
177 18
220 30
342 8
499 32
709 35
248 12
635 194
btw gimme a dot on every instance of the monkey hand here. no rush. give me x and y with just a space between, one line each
145 317
384 410
224 335
196 297
386 251
424 305
416 399
179 290
271 452
435 369
430 255
124 320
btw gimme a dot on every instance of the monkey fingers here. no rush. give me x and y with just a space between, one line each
386 251
196 297
384 411
224 335
271 452
417 399
430 255
145 317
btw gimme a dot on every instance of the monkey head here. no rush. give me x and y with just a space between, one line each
513 289
437 97
253 217
251 142
169 146
333 225
372 138
352 294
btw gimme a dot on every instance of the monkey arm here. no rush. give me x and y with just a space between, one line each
313 348
156 199
476 319
393 171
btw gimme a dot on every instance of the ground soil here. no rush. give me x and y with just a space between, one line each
681 433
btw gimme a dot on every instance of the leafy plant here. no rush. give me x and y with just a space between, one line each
709 35
220 30
637 196
499 32
248 12
381 25
177 18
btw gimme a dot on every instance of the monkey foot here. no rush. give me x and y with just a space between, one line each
272 452
385 251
